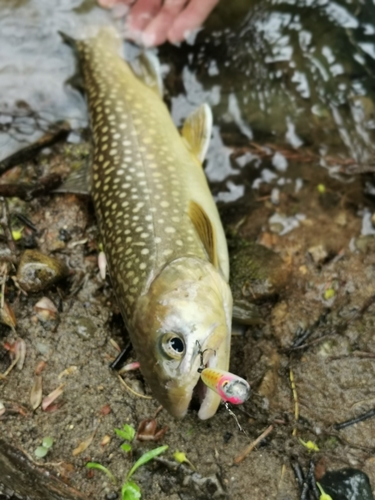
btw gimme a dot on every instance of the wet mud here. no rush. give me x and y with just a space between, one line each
317 322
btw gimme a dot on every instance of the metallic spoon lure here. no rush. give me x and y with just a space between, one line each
231 388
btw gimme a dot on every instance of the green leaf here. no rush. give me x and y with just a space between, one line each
130 491
47 442
95 465
146 457
41 452
126 447
127 432
130 431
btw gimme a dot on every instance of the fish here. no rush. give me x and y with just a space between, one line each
230 387
163 239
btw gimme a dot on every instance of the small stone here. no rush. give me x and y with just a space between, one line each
341 219
84 327
37 271
318 254
111 496
347 483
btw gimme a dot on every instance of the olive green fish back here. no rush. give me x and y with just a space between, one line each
139 175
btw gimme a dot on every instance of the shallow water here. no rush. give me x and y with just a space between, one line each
292 74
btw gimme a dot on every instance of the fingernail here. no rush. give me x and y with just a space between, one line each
148 39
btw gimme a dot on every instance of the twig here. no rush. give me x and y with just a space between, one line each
313 342
298 473
27 192
58 132
131 390
283 469
363 354
121 357
252 445
4 375
5 224
361 418
25 221
295 397
312 482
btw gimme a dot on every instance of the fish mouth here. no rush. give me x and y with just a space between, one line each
209 400
180 397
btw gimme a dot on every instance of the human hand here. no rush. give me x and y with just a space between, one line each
152 22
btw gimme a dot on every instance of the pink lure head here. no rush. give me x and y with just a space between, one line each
230 387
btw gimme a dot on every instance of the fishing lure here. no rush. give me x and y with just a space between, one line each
230 387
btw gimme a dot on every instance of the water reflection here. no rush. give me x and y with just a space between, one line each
300 73
34 64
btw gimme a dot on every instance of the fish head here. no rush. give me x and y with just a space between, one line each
182 321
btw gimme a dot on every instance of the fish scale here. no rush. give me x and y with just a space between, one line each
162 236
131 162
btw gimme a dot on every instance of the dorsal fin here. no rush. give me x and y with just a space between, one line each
147 69
197 131
205 230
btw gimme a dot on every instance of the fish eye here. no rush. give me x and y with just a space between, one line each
173 345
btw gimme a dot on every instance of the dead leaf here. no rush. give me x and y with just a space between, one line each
52 396
36 392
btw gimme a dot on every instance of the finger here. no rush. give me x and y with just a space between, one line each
139 17
190 19
156 31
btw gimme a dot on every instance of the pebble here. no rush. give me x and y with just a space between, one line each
37 271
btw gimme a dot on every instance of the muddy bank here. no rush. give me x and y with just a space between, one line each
317 322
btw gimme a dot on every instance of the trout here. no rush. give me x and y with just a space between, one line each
162 236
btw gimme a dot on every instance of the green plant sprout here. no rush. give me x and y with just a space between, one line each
96 465
180 457
127 433
129 490
42 451
323 496
310 445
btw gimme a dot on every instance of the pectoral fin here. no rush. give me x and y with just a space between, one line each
205 230
246 313
78 182
197 131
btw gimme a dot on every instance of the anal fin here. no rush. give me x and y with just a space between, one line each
78 181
